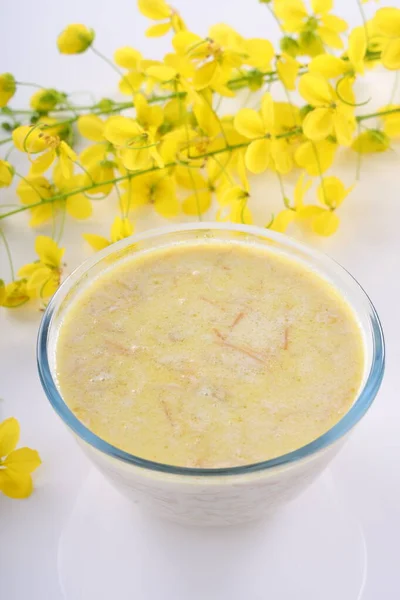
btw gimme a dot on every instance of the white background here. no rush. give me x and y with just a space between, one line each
59 534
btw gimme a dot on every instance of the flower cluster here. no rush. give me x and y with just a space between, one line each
16 466
168 147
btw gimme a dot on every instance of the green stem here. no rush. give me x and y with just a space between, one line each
273 14
28 84
394 88
364 19
114 68
7 247
380 113
6 140
320 174
228 148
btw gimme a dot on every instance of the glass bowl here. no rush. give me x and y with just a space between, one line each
219 496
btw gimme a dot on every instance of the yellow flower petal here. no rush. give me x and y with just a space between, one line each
391 55
257 157
131 81
387 22
28 138
283 220
2 292
42 163
333 23
16 294
315 157
321 6
9 436
267 112
91 127
162 73
332 192
372 141
391 124
6 173
204 75
288 68
197 203
27 270
48 251
248 122
15 485
79 207
120 229
121 130
357 49
240 212
300 190
136 160
97 242
328 66
318 124
290 10
127 57
75 39
23 460
7 88
39 278
158 30
281 156
315 90
154 9
260 53
207 119
325 223
344 126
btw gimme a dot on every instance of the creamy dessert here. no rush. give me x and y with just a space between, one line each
209 354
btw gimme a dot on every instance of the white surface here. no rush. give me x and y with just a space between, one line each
45 539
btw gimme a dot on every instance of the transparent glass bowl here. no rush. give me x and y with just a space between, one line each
226 495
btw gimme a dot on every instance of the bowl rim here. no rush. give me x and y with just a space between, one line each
363 402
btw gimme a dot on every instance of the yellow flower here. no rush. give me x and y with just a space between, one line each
120 229
149 117
391 122
158 10
299 212
331 192
214 57
371 141
315 157
77 205
29 138
16 466
320 26
45 100
131 59
6 173
99 167
7 88
259 52
266 150
75 39
91 127
152 189
328 66
325 223
137 147
287 68
32 191
14 294
330 114
387 23
43 277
